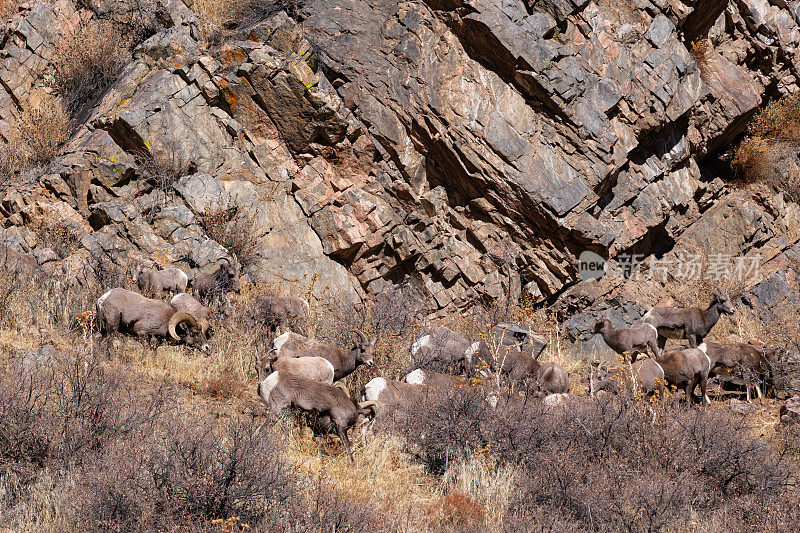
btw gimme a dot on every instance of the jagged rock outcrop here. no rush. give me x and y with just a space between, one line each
470 148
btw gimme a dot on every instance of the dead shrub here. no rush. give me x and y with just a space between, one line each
59 237
87 61
41 128
456 509
8 9
224 385
611 464
235 229
187 472
768 153
225 16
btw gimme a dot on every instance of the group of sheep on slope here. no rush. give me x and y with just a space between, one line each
300 372
683 367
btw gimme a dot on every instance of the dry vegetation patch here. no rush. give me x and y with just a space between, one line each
768 153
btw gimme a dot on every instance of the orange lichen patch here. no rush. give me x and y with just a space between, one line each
232 56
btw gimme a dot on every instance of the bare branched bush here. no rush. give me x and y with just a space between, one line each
235 14
768 153
8 9
39 131
87 61
613 464
235 229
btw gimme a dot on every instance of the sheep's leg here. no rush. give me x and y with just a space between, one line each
758 391
653 345
345 441
703 390
692 341
689 393
662 342
634 354
747 388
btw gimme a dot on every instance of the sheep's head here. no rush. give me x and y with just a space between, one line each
228 277
724 303
184 327
135 273
364 348
601 324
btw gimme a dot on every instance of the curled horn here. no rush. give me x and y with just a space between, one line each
361 334
340 385
363 407
176 319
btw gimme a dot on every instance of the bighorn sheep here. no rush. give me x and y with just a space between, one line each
123 310
551 378
391 400
740 358
187 303
692 324
275 311
153 281
686 369
442 349
313 368
631 341
521 369
330 407
223 279
344 361
520 337
647 374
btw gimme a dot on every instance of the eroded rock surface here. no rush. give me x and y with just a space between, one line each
470 148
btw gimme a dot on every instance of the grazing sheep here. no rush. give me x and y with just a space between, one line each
313 368
153 281
647 374
344 361
127 311
392 401
686 369
330 408
692 324
277 311
187 303
216 283
551 378
742 359
442 349
631 341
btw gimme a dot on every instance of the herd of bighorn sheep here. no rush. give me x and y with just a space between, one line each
688 366
305 373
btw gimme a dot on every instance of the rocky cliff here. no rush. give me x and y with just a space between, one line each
468 149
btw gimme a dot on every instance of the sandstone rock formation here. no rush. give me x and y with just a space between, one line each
469 148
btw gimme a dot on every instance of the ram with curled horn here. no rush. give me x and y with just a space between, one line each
130 312
344 361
